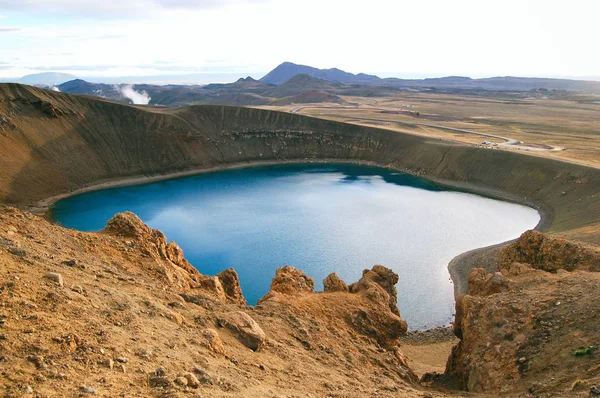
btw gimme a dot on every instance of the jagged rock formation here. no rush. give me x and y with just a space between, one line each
178 272
130 317
549 254
289 280
520 329
370 310
379 284
333 283
231 286
484 284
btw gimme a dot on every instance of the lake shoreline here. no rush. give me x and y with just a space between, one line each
458 267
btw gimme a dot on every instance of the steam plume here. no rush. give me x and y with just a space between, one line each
137 97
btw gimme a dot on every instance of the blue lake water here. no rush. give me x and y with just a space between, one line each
320 218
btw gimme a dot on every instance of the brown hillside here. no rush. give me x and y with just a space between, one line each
119 312
122 313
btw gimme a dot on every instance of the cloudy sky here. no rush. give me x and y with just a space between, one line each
414 38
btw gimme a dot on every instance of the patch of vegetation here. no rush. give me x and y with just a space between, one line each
581 351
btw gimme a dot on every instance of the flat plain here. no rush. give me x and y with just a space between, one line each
566 128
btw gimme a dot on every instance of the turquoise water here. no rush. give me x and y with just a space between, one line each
320 218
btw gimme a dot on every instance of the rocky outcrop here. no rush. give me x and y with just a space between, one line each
379 284
245 328
516 269
289 281
231 286
333 283
172 267
484 284
525 328
369 307
127 225
549 254
480 284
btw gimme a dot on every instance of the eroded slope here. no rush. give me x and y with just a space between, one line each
128 315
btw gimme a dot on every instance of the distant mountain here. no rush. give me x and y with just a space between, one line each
247 83
300 83
79 86
243 92
46 79
287 70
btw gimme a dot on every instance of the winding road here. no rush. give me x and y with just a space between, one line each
510 143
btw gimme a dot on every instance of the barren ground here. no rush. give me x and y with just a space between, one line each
536 122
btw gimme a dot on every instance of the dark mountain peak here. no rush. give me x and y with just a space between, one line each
75 83
299 83
248 79
466 78
303 77
287 70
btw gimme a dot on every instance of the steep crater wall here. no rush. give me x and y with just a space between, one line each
53 144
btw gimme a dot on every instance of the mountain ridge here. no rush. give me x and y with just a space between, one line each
287 70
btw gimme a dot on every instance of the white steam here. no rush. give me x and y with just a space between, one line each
137 97
55 88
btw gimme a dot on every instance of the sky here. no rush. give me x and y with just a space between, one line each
418 38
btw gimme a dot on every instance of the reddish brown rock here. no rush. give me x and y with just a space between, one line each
128 225
333 283
213 341
289 280
230 282
171 264
245 328
516 269
379 284
549 254
484 284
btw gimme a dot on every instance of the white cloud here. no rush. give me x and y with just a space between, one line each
137 97
426 37
112 9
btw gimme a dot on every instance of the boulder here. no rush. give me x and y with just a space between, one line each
333 283
55 277
245 328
